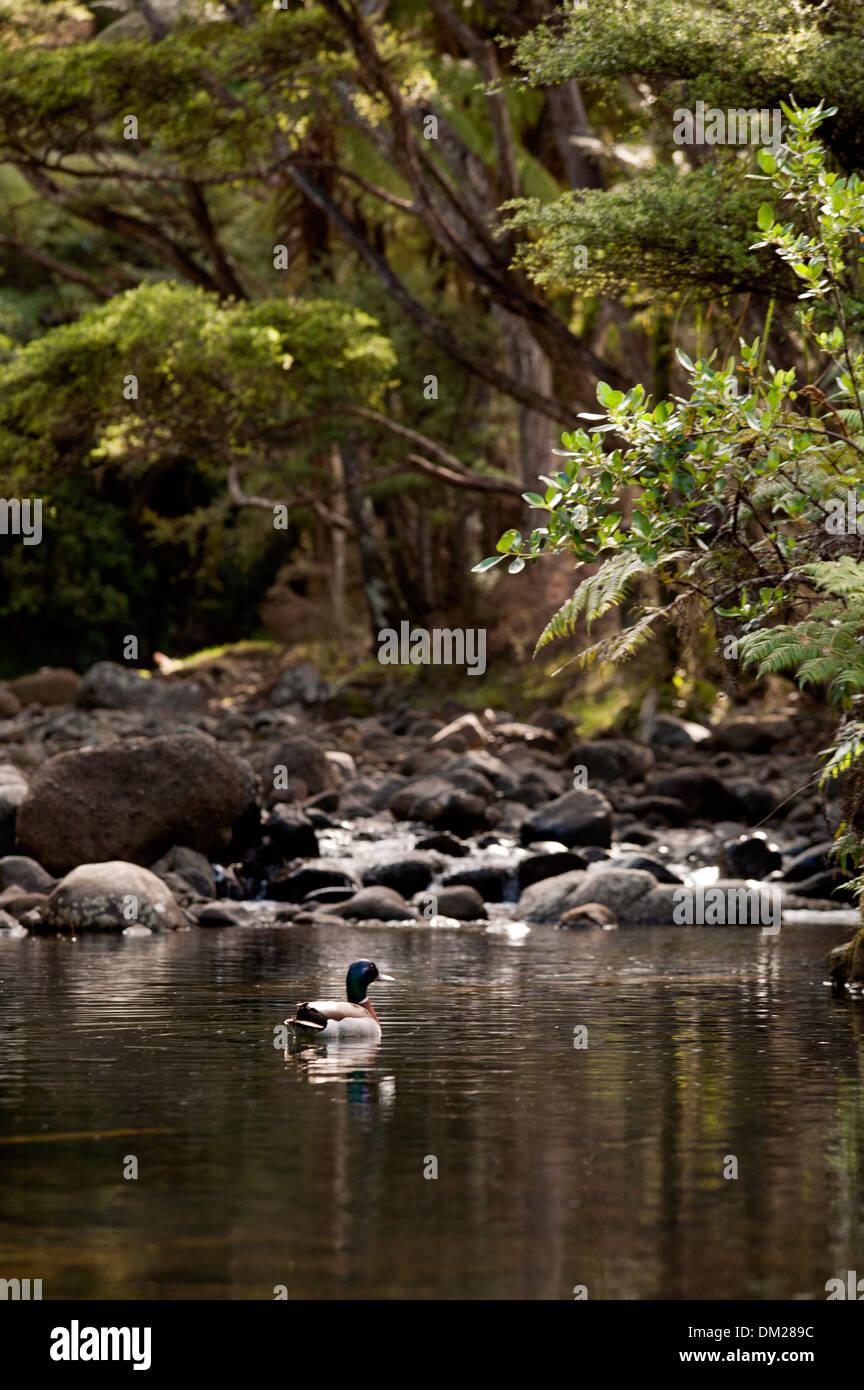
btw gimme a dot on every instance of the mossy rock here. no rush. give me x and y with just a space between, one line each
846 963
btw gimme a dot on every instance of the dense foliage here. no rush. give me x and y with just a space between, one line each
742 498
427 172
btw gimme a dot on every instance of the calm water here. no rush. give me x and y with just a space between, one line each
556 1166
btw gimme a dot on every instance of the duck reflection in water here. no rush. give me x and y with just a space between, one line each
355 1063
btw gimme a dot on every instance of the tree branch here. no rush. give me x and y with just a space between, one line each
431 326
483 55
135 229
68 272
212 245
474 482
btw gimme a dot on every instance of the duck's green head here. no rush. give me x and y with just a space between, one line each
360 976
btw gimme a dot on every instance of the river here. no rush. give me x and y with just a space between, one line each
559 1167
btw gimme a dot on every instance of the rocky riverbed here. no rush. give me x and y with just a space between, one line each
141 804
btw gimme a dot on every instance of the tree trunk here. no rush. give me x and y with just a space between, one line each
337 574
538 435
568 118
380 603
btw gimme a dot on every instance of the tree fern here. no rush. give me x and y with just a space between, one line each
781 648
825 647
842 577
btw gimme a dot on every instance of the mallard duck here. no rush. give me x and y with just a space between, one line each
336 1018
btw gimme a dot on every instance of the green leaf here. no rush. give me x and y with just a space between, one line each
487 564
765 216
509 541
608 396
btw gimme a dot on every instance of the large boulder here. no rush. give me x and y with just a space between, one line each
653 909
111 897
576 818
303 759
846 963
747 733
438 803
621 890
547 864
16 871
613 760
814 859
461 902
187 870
548 899
492 881
700 790
651 865
408 875
750 856
375 905
632 895
754 801
10 705
461 734
50 685
657 810
367 795
291 831
300 685
531 735
13 791
133 801
108 685
293 885
670 732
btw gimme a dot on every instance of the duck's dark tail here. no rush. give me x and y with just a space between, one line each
307 1017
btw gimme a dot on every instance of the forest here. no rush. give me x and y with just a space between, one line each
432 495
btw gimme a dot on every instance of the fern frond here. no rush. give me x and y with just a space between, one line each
601 591
594 596
779 649
620 645
843 577
817 670
845 751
